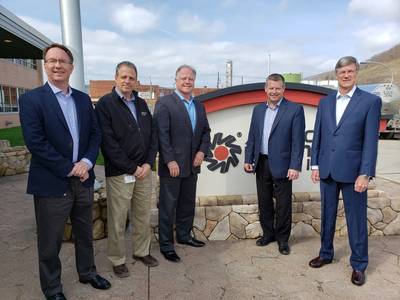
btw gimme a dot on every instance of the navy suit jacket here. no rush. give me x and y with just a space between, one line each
349 149
47 137
177 140
286 140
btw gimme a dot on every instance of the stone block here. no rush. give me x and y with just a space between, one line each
98 229
376 232
315 196
96 197
380 225
374 215
67 232
378 202
251 218
340 223
104 213
200 218
388 215
250 199
96 211
232 237
302 230
221 231
229 200
245 209
316 224
253 230
237 225
199 235
313 209
208 201
217 213
301 197
210 225
301 217
297 207
393 228
10 172
395 203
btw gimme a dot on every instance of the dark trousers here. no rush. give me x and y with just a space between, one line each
51 215
355 207
176 203
275 222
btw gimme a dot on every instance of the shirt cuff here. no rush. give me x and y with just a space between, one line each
314 167
88 162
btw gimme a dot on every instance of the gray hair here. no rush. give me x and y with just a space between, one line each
125 63
276 77
346 61
185 67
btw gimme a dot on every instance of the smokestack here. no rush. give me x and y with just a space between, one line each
229 71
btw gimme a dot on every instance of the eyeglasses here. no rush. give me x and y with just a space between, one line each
53 62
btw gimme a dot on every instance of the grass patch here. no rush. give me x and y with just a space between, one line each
14 135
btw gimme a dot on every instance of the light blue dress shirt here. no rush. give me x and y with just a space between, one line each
67 104
190 107
128 102
269 119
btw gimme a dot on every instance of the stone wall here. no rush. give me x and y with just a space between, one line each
236 217
13 160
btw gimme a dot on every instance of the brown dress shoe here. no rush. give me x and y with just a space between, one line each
121 271
358 277
148 260
318 262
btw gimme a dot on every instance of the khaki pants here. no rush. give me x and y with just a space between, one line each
120 197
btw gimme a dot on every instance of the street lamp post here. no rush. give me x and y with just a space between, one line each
381 64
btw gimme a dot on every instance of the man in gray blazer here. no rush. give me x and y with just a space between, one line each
184 141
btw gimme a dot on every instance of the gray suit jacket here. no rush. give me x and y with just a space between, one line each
177 141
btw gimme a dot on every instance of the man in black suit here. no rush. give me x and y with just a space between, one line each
61 132
184 141
129 153
274 151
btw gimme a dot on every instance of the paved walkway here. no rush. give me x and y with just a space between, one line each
221 270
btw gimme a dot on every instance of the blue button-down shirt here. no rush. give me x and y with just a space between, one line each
128 102
190 107
270 115
67 104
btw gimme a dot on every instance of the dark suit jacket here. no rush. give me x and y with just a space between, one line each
177 141
286 140
126 143
349 149
47 137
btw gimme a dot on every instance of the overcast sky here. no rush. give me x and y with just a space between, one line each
306 36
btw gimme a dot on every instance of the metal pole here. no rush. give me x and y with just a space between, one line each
381 64
72 38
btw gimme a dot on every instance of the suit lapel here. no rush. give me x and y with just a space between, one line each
332 110
79 109
281 111
55 106
262 117
355 99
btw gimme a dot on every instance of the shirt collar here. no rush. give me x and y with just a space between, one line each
119 93
277 105
56 90
183 98
349 94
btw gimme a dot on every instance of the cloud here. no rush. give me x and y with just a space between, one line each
193 24
133 19
388 10
50 30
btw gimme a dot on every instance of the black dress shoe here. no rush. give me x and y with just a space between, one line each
318 262
58 296
97 282
193 242
358 277
171 256
284 248
264 241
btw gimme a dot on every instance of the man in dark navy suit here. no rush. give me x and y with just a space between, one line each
343 158
184 141
61 132
274 151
